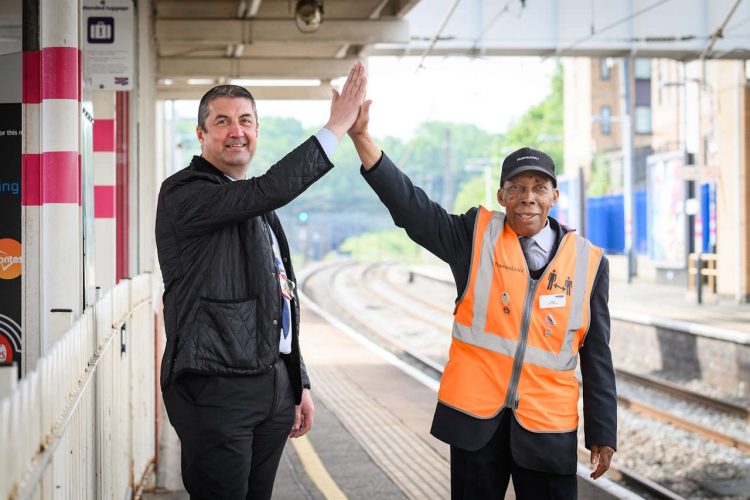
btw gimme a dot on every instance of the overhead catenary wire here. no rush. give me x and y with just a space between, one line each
612 25
437 34
489 25
719 32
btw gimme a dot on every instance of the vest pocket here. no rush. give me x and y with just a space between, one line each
228 332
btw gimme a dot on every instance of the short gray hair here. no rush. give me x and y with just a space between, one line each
233 91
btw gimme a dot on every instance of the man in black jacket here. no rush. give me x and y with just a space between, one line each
507 406
233 379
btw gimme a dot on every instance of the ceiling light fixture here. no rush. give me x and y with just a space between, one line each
308 14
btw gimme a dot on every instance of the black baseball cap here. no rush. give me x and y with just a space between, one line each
528 160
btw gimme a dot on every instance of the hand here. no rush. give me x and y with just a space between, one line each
303 415
369 152
601 455
359 129
345 106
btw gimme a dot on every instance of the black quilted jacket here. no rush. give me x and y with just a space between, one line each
222 306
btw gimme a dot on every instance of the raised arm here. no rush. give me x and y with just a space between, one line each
427 223
200 204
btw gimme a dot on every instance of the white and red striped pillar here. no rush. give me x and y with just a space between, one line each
51 192
104 189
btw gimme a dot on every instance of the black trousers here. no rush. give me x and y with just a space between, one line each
233 431
485 473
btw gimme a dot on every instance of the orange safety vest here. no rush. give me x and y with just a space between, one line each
515 340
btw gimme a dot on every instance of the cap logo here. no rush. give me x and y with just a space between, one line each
528 158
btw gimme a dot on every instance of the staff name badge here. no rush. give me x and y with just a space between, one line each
550 301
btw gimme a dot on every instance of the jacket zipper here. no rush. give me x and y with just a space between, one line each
511 400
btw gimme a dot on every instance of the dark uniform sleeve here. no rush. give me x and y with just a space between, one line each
597 372
426 222
198 205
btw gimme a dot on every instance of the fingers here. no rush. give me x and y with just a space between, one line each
602 456
297 421
307 423
356 80
304 416
345 105
365 109
350 77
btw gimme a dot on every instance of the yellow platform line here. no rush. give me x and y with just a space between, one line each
315 469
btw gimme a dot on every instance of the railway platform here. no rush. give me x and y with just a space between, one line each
370 438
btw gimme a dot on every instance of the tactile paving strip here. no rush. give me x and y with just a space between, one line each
409 461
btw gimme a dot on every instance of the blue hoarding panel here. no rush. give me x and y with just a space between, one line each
606 222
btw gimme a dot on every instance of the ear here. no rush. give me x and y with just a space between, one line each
199 132
500 198
555 196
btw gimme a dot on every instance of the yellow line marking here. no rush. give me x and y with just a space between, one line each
315 469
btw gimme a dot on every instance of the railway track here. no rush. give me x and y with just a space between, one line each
632 479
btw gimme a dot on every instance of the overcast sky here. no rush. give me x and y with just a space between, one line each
488 92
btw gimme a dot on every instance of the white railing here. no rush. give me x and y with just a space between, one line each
82 425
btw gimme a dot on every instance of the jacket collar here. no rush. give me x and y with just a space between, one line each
200 164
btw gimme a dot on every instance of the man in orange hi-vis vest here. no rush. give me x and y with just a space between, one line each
532 299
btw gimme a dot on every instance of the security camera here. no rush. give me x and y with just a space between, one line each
308 15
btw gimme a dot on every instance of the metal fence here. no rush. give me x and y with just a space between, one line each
82 425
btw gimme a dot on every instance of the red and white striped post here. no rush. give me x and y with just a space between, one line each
51 197
104 188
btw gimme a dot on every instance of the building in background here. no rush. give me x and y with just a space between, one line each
690 161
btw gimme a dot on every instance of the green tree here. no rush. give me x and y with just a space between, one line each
392 244
540 127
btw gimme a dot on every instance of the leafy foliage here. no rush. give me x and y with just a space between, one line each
541 127
392 244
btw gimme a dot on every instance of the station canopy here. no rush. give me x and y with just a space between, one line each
202 43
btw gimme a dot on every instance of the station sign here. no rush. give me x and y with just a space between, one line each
11 255
108 44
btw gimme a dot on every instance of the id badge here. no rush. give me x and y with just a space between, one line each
287 286
550 301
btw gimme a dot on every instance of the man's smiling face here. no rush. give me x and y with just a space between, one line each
527 198
230 136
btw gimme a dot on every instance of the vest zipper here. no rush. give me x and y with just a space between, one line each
511 400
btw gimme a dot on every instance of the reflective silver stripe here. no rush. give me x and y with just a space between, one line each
566 360
593 278
486 271
476 335
580 284
484 340
507 347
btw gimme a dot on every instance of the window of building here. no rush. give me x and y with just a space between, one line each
643 119
642 70
605 120
605 68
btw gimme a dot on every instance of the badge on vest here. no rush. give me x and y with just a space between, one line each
550 301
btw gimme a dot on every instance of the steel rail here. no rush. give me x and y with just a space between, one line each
396 347
440 326
696 428
685 394
632 478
